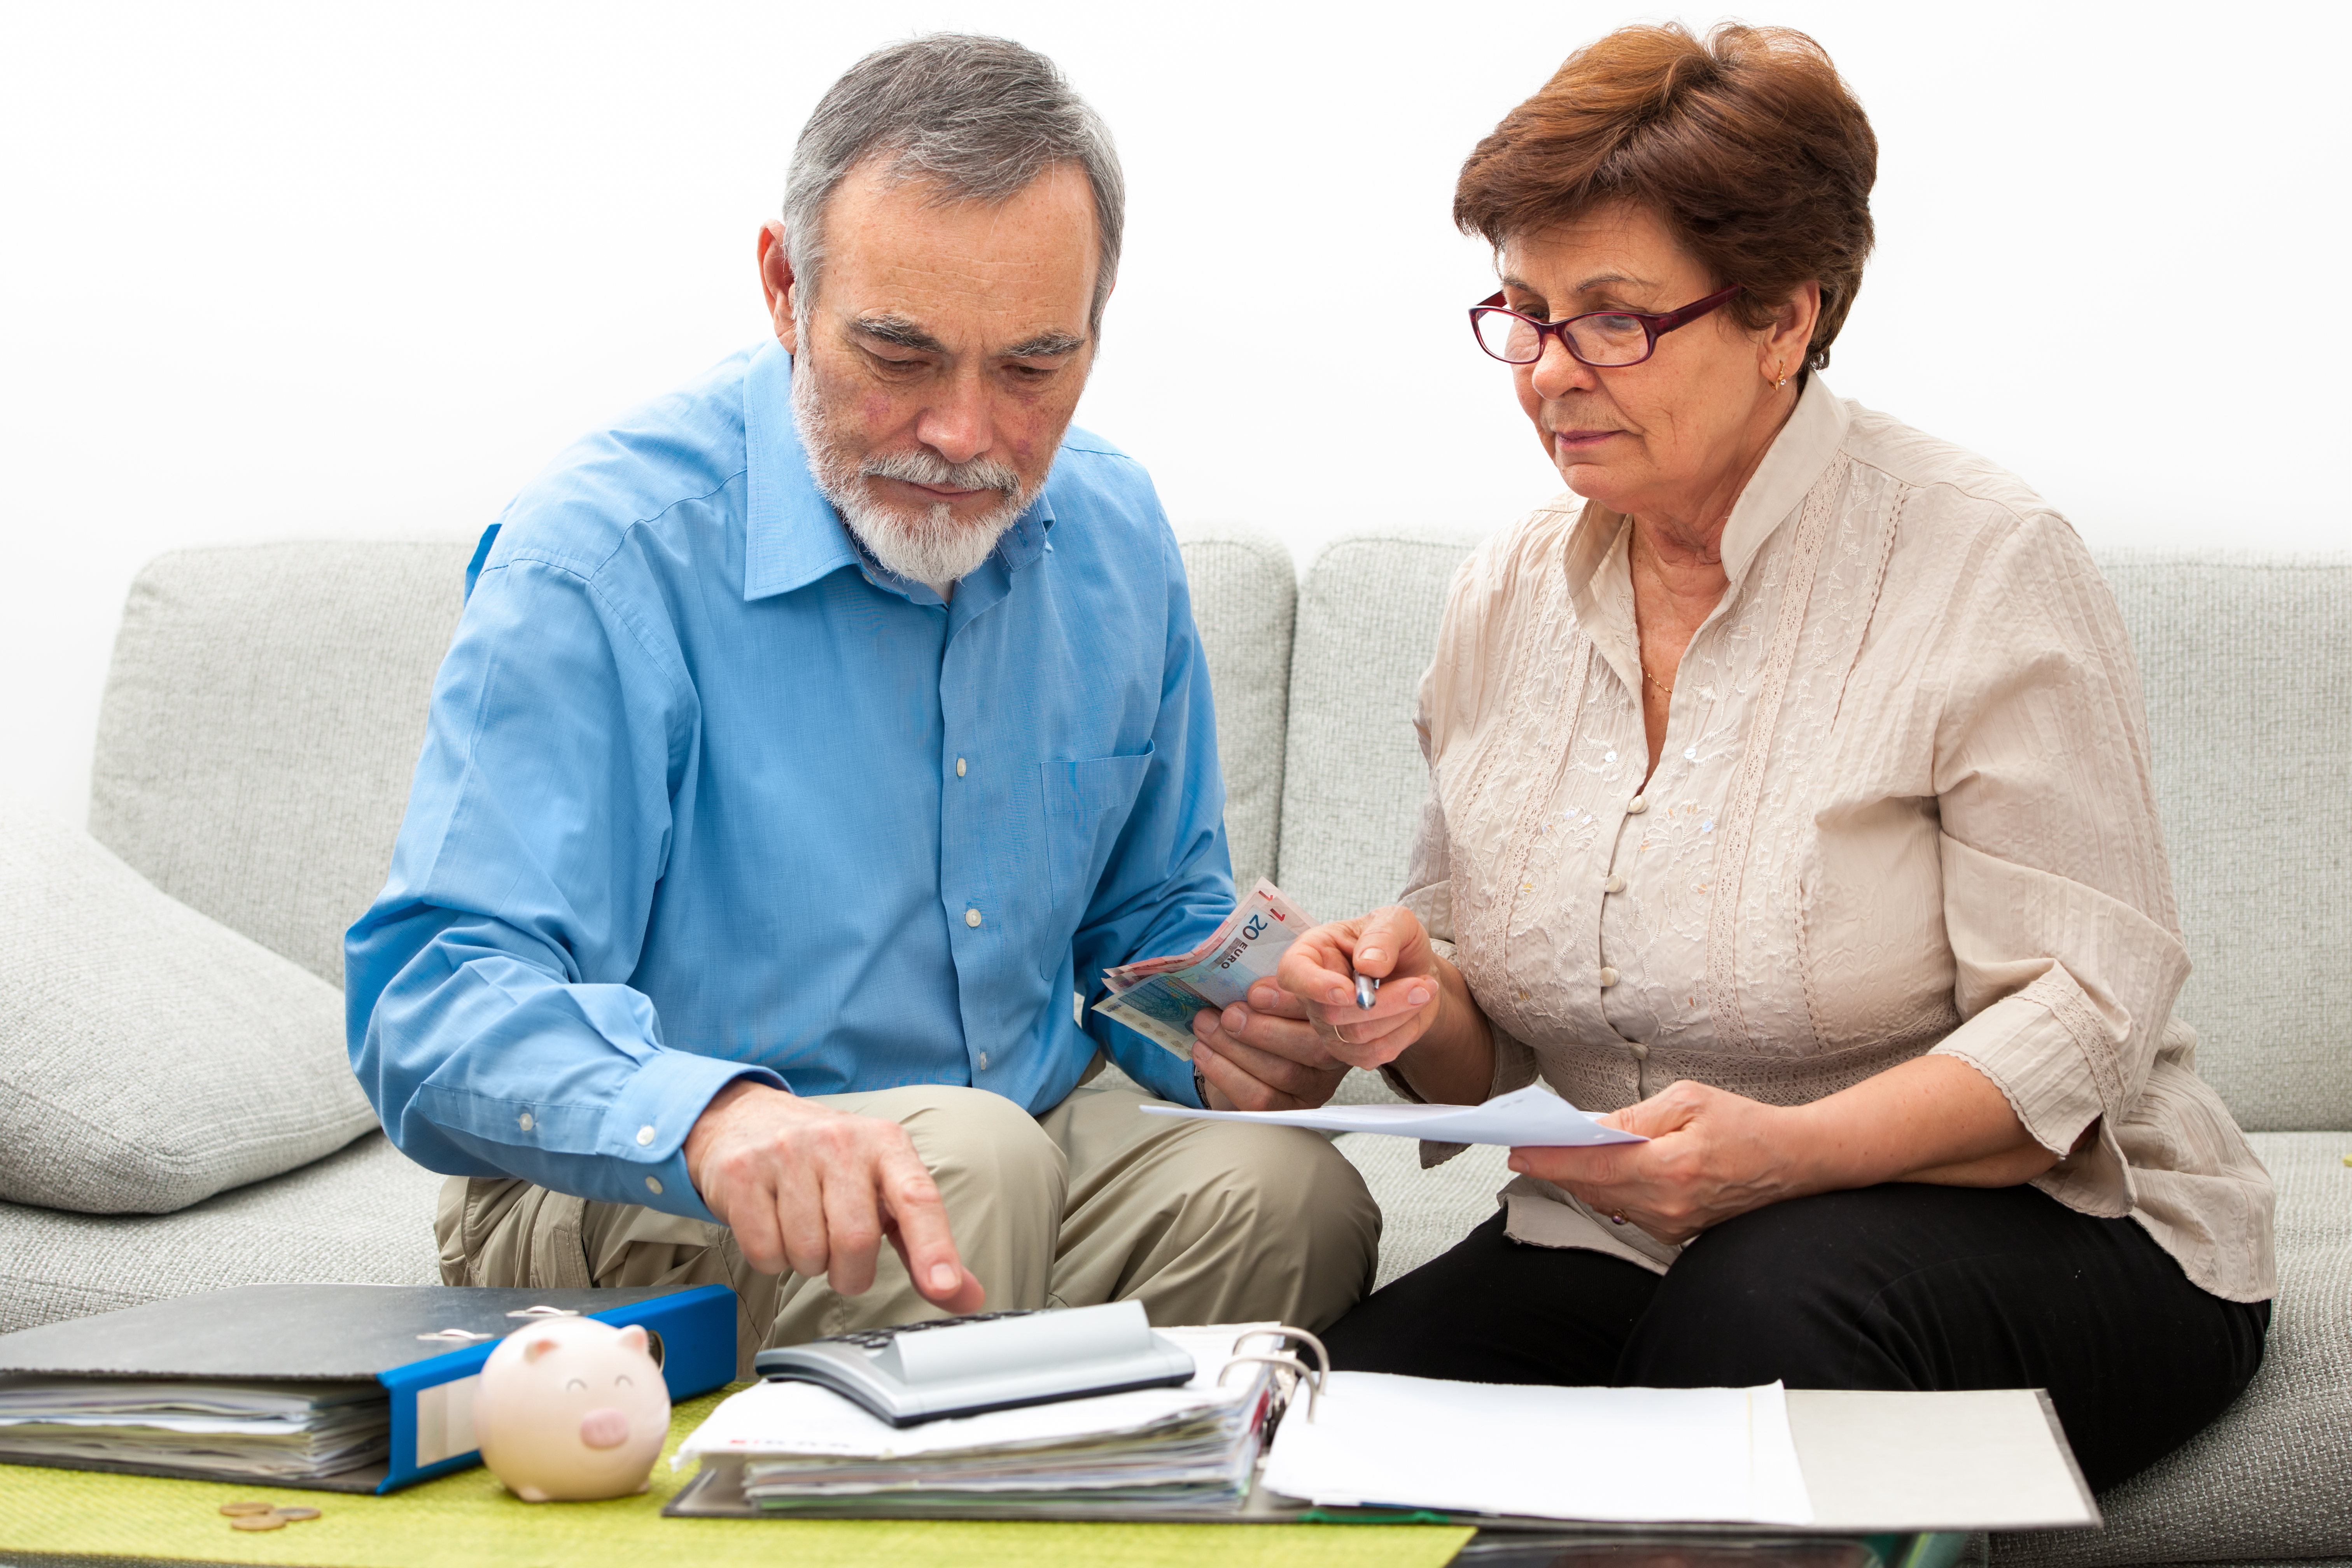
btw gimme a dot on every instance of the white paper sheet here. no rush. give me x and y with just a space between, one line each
1716 1455
1525 1117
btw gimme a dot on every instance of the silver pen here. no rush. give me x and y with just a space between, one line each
1366 989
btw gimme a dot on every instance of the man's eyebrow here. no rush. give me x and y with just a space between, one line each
1047 345
900 331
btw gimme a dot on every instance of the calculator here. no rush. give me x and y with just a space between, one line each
988 1361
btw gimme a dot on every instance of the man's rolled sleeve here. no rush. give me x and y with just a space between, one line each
489 1016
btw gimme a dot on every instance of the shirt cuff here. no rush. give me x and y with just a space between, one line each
645 1126
2051 1054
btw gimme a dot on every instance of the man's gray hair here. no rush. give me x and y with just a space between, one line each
980 117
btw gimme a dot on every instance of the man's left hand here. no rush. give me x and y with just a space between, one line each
1712 1156
1264 1055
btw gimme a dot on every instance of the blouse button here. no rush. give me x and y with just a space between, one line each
1640 1053
1608 977
1614 885
1636 807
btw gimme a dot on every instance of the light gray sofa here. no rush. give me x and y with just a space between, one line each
266 703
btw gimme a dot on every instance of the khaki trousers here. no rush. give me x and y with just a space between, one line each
1203 1222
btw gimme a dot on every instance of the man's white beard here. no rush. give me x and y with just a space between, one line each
933 547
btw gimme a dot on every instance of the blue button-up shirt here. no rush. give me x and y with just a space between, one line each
707 795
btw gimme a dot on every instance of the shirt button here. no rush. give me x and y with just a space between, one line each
523 1121
1690 754
1640 1053
971 916
1614 885
958 767
1636 807
653 1186
645 1136
983 1061
1608 977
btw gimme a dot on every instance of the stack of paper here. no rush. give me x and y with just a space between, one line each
804 1449
246 1431
1652 1455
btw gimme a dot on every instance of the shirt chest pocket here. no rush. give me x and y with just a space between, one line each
1087 803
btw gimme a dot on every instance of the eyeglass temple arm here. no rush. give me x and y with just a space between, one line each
1692 311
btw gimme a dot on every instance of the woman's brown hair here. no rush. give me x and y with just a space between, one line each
1748 144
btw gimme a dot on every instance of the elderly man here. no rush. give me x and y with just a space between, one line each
810 741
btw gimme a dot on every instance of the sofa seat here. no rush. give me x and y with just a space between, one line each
363 1214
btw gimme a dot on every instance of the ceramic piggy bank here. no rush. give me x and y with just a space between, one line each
570 1409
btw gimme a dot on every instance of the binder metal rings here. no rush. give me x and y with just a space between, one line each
1282 1334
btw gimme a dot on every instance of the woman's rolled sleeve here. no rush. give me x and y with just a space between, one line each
2057 898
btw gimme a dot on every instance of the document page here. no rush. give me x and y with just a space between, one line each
1525 1117
1663 1455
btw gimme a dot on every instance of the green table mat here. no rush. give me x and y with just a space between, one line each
468 1521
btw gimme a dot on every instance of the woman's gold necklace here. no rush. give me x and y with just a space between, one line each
1665 686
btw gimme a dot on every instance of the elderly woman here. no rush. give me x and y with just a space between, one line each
1789 798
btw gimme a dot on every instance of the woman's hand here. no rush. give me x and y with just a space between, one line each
1712 1156
1284 1048
1318 973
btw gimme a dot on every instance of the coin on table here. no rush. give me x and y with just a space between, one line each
270 1520
246 1509
297 1515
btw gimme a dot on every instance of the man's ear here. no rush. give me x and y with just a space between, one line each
776 283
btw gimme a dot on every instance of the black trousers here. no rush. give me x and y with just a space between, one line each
1893 1287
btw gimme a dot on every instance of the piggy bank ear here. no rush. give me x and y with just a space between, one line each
633 1337
535 1349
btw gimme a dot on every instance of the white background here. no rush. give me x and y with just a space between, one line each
302 270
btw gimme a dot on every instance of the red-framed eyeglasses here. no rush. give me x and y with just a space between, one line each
1605 339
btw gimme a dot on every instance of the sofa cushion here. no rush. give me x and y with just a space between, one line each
150 1056
1353 777
2269 1479
1424 1212
2247 665
1244 590
261 724
363 1215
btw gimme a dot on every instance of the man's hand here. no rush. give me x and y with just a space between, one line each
816 1191
1289 1046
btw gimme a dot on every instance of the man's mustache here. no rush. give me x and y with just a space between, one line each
922 467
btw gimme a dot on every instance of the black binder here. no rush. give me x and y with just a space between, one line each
424 1344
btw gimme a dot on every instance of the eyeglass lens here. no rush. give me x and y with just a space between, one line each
1601 341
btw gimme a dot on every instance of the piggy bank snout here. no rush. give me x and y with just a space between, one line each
605 1428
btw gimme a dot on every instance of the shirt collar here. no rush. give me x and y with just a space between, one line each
1798 454
792 536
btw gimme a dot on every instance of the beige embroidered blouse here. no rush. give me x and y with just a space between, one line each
1904 807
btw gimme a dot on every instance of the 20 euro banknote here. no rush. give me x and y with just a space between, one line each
1156 997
